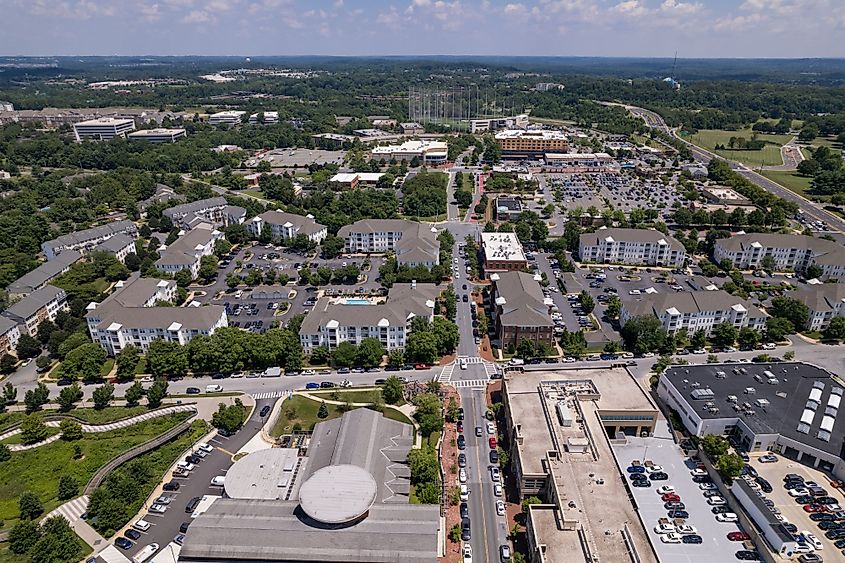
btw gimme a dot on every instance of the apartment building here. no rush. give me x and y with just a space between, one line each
428 152
102 129
824 301
502 252
85 241
519 309
157 135
120 246
285 226
43 274
10 333
530 144
333 321
496 123
646 247
130 315
694 310
228 118
789 252
40 305
214 210
188 250
415 244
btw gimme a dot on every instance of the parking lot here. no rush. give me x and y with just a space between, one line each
664 452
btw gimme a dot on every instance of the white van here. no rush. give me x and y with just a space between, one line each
213 388
146 553
463 364
517 362
141 525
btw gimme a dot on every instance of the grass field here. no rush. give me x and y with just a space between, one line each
794 182
769 155
17 438
89 415
39 469
353 396
303 411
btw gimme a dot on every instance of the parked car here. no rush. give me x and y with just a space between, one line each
171 486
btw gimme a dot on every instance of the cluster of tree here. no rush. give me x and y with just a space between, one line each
826 168
428 413
527 349
429 341
716 447
743 144
324 275
425 475
424 195
391 272
778 208
528 228
683 217
463 196
779 127
229 418
338 209
52 541
460 143
368 354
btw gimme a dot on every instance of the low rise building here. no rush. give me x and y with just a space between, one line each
580 163
548 86
352 180
85 241
531 143
428 152
40 305
696 171
286 226
102 129
383 122
496 123
188 250
132 315
782 540
214 210
508 208
120 246
43 274
332 321
694 310
502 252
631 246
411 128
519 310
790 408
227 118
788 252
824 301
415 244
10 333
266 118
157 135
724 196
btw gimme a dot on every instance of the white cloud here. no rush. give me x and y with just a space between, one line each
738 22
150 12
197 16
390 18
630 8
680 8
514 8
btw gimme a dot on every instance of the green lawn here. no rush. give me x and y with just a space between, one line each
104 371
794 182
769 155
10 418
303 411
7 556
39 469
397 415
351 395
106 415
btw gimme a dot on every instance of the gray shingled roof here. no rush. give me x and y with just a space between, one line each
776 240
821 298
30 304
629 235
44 273
81 237
523 297
304 225
194 207
688 302
114 244
183 249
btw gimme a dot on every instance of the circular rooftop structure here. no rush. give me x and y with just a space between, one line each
338 494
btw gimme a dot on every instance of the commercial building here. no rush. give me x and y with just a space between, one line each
824 301
188 250
345 501
332 321
131 315
508 208
788 408
697 171
548 86
428 152
352 180
214 210
531 144
579 163
411 128
789 252
157 135
502 252
102 129
120 246
496 123
415 244
724 196
10 333
631 246
228 118
85 241
558 426
285 226
694 310
6 106
40 305
43 274
519 309
267 118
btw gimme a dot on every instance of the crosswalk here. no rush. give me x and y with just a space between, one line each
445 375
470 383
269 395
72 510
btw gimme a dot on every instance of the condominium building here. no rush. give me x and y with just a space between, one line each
415 244
85 241
158 135
694 310
226 118
120 246
429 152
267 118
102 129
631 246
286 226
130 315
519 309
214 210
502 252
496 123
824 301
333 321
188 250
527 144
40 305
10 333
789 252
43 274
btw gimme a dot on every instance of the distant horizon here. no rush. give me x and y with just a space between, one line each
418 56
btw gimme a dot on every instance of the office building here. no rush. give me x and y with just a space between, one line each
267 118
789 252
414 244
43 274
286 226
508 208
647 247
227 118
120 246
519 310
333 321
497 123
352 180
824 301
85 241
132 315
548 86
502 252
694 310
10 333
214 210
791 409
531 144
158 135
411 128
428 152
40 305
102 129
187 251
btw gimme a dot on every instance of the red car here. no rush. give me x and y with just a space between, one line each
670 497
421 366
492 442
738 536
814 508
837 484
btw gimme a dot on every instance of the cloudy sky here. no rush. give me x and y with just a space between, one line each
695 28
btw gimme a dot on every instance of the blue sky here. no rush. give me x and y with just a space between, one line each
695 28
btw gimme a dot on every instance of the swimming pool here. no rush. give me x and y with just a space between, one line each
356 302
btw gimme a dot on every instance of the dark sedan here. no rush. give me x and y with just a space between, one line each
692 538
658 476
